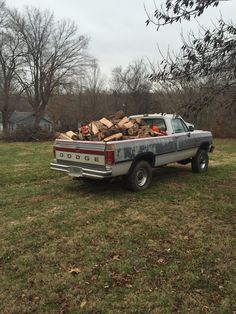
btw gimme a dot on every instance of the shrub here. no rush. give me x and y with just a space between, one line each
28 134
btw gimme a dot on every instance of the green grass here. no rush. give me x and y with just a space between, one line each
170 249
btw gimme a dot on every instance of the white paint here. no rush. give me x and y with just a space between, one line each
81 158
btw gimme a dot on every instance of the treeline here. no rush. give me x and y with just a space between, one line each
45 67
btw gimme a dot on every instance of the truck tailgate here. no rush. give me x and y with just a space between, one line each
81 159
79 152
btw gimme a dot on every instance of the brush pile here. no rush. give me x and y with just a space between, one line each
116 127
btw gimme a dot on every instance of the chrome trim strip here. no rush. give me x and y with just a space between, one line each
84 172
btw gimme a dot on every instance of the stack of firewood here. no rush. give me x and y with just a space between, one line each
116 127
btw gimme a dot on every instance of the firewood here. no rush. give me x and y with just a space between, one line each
70 134
138 120
106 122
75 137
113 137
63 136
105 133
114 130
140 133
119 115
130 131
80 136
93 128
144 127
98 124
123 121
129 125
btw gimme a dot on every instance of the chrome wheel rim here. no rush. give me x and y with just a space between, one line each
203 162
141 177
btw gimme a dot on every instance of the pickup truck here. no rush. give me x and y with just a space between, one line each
134 159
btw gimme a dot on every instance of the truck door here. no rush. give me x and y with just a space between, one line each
185 141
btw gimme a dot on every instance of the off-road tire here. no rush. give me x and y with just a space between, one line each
200 161
140 176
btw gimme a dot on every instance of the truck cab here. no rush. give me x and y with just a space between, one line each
168 123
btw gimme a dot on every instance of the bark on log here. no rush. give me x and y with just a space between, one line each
113 137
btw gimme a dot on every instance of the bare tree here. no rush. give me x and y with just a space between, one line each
53 54
10 60
133 81
94 84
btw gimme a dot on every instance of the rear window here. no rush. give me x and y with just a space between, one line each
160 123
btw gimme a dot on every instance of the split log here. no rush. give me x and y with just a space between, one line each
94 128
128 125
99 125
123 121
70 134
106 122
113 137
62 136
138 120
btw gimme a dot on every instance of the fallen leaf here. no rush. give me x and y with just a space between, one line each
161 261
83 303
74 270
116 257
106 286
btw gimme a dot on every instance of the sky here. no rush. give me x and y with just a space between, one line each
117 31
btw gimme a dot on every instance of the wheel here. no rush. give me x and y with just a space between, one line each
200 161
140 176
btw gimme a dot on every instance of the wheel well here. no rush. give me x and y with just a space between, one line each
149 157
205 146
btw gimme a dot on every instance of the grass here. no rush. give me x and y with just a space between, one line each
170 249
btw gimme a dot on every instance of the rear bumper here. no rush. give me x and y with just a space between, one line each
78 172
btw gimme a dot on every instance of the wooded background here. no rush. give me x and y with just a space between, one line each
45 67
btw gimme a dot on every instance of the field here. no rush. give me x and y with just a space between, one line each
170 249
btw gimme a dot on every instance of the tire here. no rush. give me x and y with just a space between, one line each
139 177
200 161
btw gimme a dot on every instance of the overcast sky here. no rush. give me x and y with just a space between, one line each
117 29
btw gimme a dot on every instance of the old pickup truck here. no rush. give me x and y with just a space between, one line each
134 159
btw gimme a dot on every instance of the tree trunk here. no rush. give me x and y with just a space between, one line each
5 110
39 113
5 120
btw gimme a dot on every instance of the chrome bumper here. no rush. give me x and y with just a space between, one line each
75 171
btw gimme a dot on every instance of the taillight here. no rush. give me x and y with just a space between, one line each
54 151
110 157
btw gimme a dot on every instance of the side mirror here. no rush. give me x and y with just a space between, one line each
191 128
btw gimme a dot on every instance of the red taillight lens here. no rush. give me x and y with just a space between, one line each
54 151
110 157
